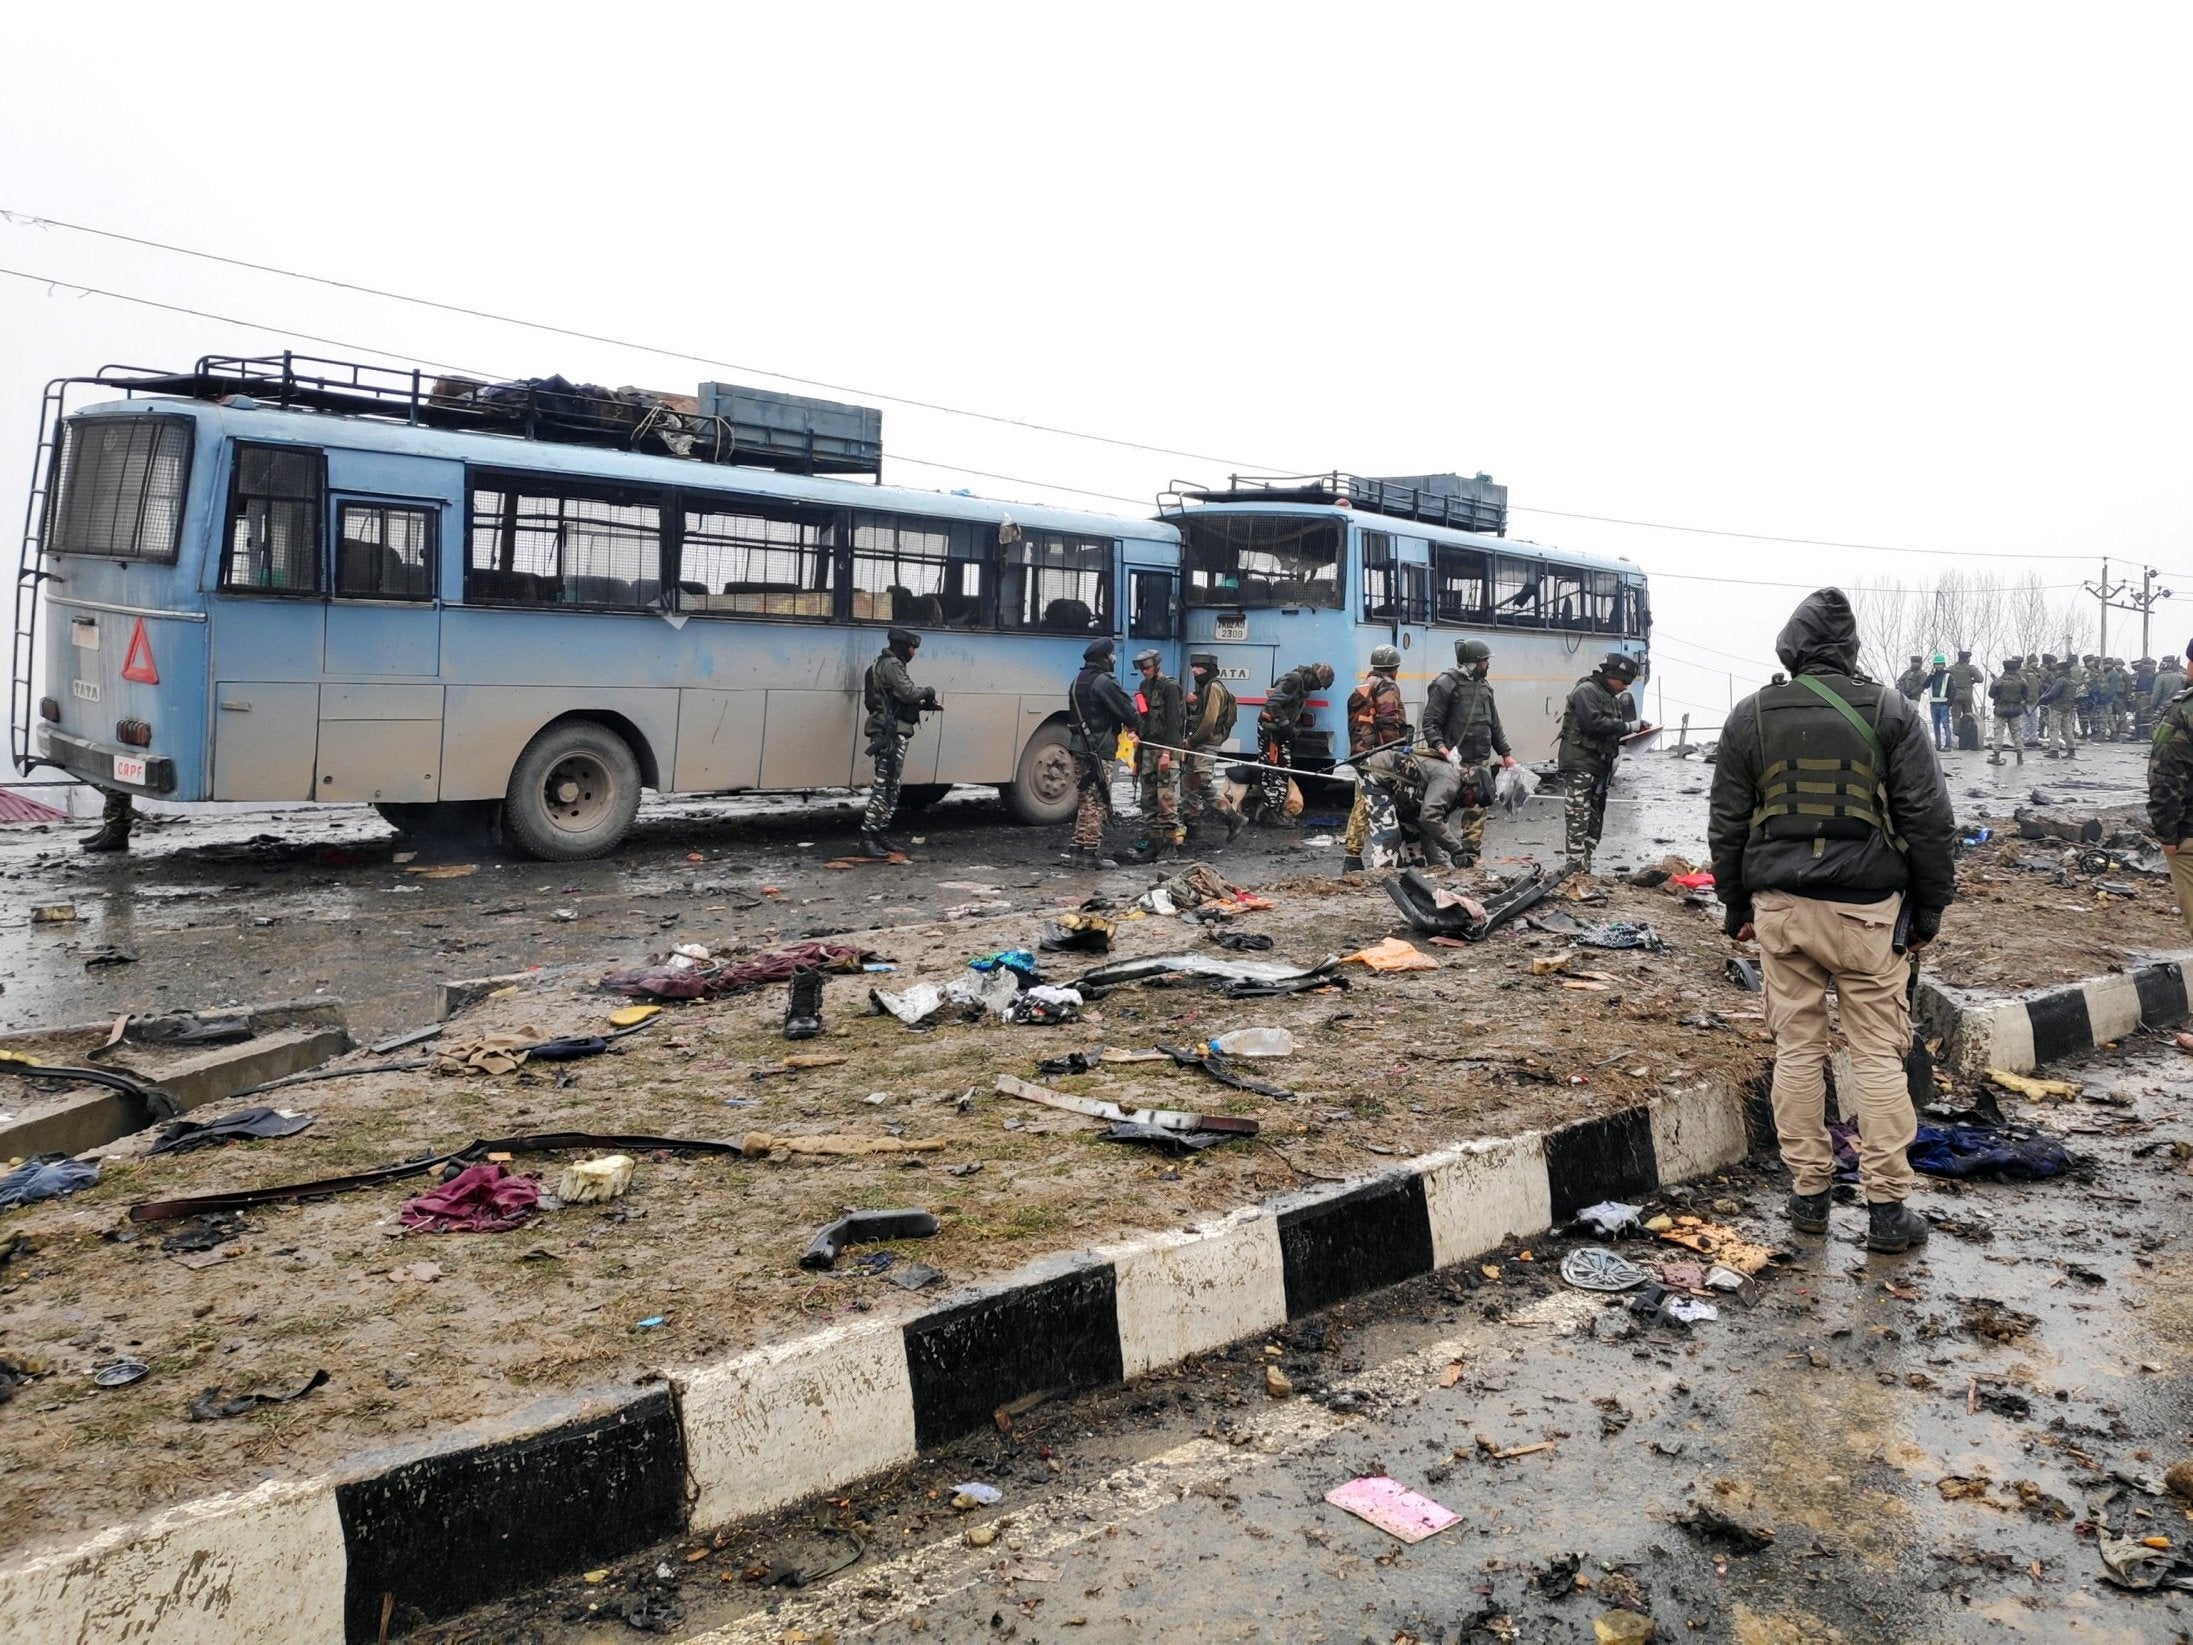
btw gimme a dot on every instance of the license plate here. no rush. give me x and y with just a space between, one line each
127 770
1230 628
87 690
84 633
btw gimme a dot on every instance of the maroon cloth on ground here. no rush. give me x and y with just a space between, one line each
480 1199
659 982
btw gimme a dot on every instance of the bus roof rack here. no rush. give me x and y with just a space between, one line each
723 424
1475 504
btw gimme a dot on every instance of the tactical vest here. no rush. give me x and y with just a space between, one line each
1821 766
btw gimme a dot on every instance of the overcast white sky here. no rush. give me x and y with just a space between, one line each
1904 275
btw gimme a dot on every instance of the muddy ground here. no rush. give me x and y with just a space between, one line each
1923 1442
238 908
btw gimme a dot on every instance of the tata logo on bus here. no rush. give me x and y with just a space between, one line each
1233 673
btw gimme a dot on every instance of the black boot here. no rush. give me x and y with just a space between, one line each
114 824
874 845
1808 1213
1351 865
1893 1226
803 1005
1235 823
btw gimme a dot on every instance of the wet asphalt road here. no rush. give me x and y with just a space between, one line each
226 908
1189 1506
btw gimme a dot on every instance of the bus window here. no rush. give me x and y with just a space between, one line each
539 539
383 553
1517 587
734 557
1461 577
1262 560
1151 615
118 488
1380 574
1637 616
1052 581
1602 602
275 508
923 573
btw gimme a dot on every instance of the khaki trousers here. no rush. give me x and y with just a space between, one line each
1804 945
2181 880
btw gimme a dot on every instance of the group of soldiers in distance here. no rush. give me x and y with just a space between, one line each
1422 792
2041 702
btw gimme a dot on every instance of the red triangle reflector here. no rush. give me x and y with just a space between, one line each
138 664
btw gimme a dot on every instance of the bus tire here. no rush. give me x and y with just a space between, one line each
440 820
573 793
1043 790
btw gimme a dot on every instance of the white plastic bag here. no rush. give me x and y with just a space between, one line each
1515 785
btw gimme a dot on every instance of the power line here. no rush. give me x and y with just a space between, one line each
26 219
1804 542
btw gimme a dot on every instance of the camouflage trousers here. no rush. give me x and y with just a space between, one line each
1384 839
1158 794
889 753
1583 813
1468 825
1273 752
1093 809
1359 823
1199 785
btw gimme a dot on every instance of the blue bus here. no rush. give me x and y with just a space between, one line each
1324 568
280 580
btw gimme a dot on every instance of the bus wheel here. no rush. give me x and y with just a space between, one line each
443 820
573 793
916 797
1043 789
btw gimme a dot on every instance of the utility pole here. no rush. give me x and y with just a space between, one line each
2107 593
2146 599
2142 602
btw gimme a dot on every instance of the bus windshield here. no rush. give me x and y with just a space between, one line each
1262 560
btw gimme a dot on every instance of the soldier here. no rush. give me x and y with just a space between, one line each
2046 677
895 707
2069 686
1462 726
1838 887
1965 680
1377 718
1157 766
2119 697
2169 681
1912 681
2090 692
2143 692
2031 719
2010 693
1599 715
1409 797
1100 710
1276 724
1210 718
2170 794
115 818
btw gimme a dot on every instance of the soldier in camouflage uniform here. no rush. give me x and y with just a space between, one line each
1377 718
2170 794
2169 681
1966 679
1409 797
1276 724
2143 689
1210 722
2117 721
2012 692
1099 709
895 706
1462 727
1599 715
1157 766
1912 681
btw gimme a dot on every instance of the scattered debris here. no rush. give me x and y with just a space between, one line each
1595 1268
46 1176
211 1407
415 1273
1610 1219
1710 1524
261 1123
480 1199
1391 954
1170 1119
1985 1317
865 1228
1745 973
204 1233
2033 1090
595 1179
120 1373
1392 1507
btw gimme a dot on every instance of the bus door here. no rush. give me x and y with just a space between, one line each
1412 616
1153 617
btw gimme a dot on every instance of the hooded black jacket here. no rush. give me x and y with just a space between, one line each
1821 638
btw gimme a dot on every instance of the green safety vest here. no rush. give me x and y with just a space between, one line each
1822 772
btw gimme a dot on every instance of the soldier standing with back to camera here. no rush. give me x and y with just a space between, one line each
1462 727
1838 887
1377 718
1210 721
2170 794
1966 680
895 706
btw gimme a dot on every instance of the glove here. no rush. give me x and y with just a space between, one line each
1454 758
1926 924
1735 916
1631 727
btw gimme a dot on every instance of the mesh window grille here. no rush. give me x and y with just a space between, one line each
915 571
737 559
384 553
1461 577
535 541
1058 582
118 488
276 505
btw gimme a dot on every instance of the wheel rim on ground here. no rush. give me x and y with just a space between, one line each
576 794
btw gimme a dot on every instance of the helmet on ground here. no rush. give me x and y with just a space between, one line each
1097 651
1322 673
1203 660
1385 656
1472 651
1147 659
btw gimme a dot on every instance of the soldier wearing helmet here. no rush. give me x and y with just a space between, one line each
1285 703
1157 764
1377 718
1462 727
895 706
1210 712
1600 713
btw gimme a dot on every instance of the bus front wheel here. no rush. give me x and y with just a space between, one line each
573 793
1043 789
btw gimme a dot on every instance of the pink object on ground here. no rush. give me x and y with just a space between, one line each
1392 1507
1700 881
21 808
480 1199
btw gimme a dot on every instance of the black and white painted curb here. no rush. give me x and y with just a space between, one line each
463 1519
2019 1033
